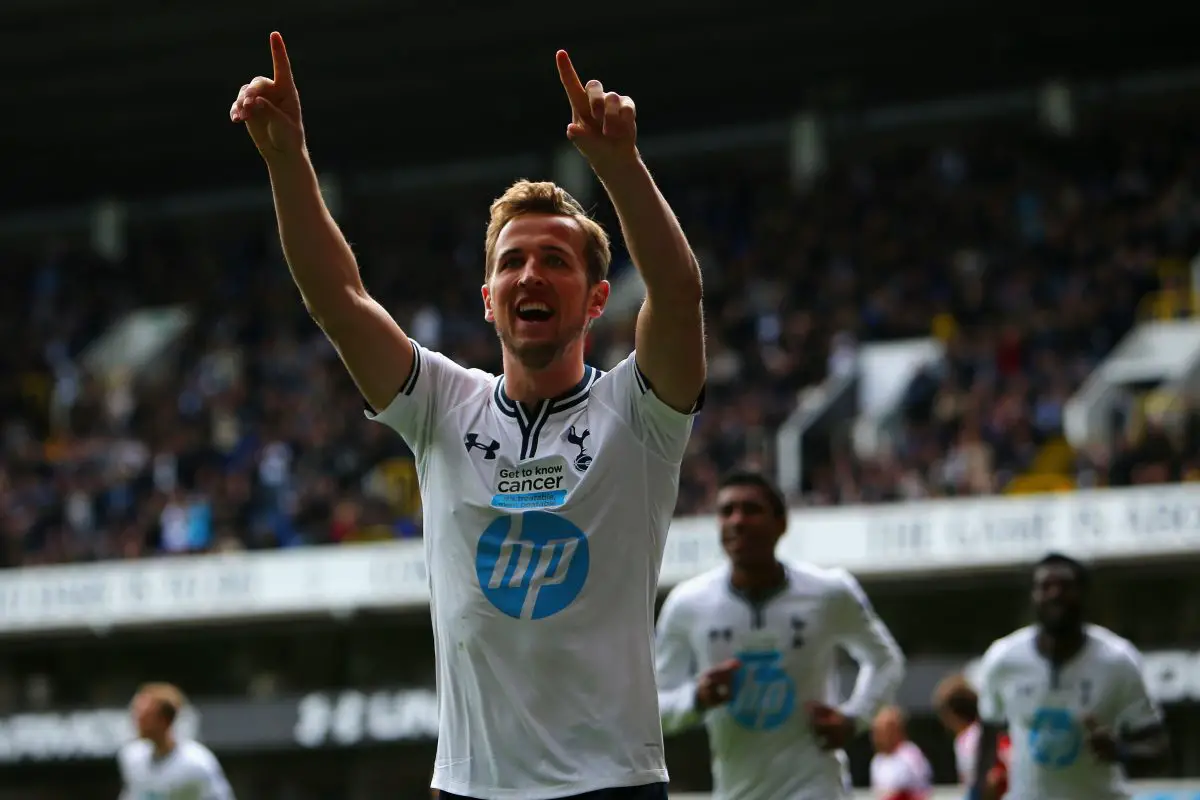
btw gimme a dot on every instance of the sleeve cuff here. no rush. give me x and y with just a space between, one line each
646 389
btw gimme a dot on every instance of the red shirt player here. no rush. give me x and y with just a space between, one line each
958 708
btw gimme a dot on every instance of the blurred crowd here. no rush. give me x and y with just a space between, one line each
1028 256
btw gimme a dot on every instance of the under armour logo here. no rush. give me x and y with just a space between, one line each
720 634
471 440
583 460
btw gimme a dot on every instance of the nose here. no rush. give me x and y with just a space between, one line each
1053 590
530 273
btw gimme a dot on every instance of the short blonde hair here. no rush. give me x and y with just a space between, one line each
167 696
544 197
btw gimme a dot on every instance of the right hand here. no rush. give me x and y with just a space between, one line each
715 687
270 107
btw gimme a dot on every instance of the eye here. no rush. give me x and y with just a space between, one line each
555 260
512 262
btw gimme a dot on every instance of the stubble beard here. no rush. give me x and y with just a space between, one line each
540 355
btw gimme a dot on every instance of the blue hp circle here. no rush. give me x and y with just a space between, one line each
1055 739
532 565
763 694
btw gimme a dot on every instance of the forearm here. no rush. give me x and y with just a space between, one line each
320 259
874 688
656 241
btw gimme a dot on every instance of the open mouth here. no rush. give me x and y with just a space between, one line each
534 312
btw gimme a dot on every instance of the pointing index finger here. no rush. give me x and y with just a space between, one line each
573 86
279 60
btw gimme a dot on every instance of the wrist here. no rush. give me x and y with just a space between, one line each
287 163
698 704
854 723
618 169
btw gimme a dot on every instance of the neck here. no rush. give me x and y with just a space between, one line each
164 744
525 385
757 581
1060 646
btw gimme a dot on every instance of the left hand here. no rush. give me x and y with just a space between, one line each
1102 741
833 729
603 124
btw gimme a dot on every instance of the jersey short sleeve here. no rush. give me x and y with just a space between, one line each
659 427
991 700
1138 710
435 385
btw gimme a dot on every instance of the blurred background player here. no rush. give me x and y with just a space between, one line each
957 707
751 649
547 490
899 770
1073 696
158 765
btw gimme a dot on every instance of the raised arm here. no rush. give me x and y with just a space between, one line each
374 349
670 326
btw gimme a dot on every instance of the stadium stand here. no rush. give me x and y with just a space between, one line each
1029 259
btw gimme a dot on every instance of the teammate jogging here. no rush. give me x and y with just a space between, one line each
1073 697
157 764
547 490
750 649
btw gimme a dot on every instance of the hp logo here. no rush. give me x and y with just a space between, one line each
1055 739
764 696
532 565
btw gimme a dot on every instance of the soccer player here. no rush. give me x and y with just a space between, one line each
1073 697
899 770
159 766
750 649
547 490
957 706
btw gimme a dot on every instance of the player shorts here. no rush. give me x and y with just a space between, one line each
649 791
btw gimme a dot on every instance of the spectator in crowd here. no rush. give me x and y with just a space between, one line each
1026 257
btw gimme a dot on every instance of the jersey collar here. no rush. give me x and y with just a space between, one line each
767 597
528 415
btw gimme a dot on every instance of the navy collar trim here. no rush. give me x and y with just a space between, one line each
528 415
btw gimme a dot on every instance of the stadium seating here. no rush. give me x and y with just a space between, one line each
1028 259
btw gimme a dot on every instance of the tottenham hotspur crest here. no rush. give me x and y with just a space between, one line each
583 460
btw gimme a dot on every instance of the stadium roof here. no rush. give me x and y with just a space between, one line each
133 97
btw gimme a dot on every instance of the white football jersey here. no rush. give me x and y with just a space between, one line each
188 772
1050 758
544 535
762 746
